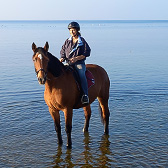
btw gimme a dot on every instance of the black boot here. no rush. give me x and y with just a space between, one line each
85 99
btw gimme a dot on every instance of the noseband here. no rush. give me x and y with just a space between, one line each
41 69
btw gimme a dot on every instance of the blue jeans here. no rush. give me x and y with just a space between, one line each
81 69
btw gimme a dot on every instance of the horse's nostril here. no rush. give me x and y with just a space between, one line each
41 80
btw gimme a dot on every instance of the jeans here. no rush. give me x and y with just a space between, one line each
81 69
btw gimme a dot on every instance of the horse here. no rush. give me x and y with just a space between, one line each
62 93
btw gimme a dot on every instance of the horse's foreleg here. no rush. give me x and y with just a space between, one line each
56 117
87 112
68 125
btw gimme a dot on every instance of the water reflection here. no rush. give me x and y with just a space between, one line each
87 158
57 157
105 157
60 161
68 158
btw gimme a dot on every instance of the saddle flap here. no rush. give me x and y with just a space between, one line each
90 78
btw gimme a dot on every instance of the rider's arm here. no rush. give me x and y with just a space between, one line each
74 59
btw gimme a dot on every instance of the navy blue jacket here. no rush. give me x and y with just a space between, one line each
81 50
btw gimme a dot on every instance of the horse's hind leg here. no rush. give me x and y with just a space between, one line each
87 112
104 113
56 117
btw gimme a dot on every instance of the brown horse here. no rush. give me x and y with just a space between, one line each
61 91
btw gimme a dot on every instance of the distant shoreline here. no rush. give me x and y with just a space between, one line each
108 21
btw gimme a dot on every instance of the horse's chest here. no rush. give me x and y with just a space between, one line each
53 100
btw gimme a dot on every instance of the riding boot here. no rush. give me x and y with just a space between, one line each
85 99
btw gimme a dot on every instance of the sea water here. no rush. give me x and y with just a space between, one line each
135 56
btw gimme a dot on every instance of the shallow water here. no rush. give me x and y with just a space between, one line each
135 55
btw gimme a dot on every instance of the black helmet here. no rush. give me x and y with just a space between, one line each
74 25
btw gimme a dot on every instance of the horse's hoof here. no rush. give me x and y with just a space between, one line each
106 132
69 146
85 130
60 142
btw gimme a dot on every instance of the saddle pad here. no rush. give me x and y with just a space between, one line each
90 78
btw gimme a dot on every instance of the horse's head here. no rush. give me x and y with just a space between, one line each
40 60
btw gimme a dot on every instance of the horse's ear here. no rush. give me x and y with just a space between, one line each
33 47
46 47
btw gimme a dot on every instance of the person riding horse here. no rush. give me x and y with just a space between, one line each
60 85
74 51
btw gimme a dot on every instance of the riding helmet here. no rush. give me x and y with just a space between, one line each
74 25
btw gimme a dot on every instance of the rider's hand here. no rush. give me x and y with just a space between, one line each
74 59
61 59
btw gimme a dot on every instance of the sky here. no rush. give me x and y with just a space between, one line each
83 9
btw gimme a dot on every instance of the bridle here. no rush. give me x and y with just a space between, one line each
41 69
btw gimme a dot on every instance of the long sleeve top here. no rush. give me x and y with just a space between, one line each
70 50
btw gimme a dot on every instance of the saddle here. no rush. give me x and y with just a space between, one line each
89 77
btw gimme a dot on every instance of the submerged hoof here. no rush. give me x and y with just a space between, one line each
69 146
85 130
60 142
106 132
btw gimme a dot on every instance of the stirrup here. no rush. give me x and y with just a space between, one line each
85 99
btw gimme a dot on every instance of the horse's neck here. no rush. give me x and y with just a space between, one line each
54 82
63 81
55 66
52 79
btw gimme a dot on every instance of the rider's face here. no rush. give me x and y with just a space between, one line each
73 32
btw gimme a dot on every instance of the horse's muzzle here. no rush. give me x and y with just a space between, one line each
41 81
41 78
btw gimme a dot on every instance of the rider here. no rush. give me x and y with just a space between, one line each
74 51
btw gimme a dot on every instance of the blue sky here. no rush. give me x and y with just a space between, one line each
84 10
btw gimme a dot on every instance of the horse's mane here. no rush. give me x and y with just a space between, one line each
54 65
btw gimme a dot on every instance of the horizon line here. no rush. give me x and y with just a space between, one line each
91 20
